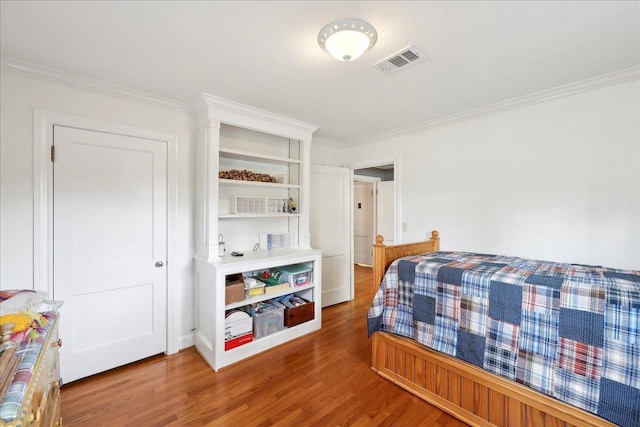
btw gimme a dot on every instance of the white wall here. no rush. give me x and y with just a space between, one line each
325 154
557 180
19 96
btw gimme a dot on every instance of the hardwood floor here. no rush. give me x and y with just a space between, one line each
322 379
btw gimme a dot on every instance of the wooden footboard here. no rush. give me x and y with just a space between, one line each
467 392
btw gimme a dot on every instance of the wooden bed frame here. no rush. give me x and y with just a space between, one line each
465 391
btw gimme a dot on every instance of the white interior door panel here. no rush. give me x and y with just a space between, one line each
110 248
331 230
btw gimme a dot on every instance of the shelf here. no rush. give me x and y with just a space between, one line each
264 297
256 183
232 154
237 139
273 215
211 277
255 260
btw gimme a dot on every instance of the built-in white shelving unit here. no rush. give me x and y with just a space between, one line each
235 137
210 336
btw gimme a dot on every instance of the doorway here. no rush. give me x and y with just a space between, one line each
374 208
364 218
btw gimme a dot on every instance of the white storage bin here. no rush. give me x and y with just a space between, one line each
296 275
268 318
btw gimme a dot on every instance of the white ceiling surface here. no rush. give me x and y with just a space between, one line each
265 53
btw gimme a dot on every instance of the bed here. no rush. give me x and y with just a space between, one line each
505 341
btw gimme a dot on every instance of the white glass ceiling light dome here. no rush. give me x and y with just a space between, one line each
347 39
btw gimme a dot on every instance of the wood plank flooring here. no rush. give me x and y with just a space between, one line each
322 379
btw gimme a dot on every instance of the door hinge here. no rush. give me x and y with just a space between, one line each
53 153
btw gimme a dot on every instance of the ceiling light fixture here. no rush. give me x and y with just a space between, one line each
347 39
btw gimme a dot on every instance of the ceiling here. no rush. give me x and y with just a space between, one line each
265 53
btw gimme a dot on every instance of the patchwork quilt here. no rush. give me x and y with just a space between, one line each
569 331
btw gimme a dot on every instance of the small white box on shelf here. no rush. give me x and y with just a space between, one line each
248 205
258 205
269 241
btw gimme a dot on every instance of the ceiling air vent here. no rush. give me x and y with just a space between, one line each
401 59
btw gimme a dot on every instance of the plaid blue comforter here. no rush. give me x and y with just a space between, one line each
566 330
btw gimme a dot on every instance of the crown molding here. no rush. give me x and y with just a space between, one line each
215 102
611 79
329 142
26 69
14 66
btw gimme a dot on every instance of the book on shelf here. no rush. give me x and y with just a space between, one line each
276 288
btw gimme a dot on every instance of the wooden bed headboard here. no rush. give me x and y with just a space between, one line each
384 255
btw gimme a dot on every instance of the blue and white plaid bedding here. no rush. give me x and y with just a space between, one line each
569 331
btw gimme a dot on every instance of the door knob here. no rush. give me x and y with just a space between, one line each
159 263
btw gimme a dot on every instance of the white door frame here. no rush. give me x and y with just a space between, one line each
372 163
374 226
43 122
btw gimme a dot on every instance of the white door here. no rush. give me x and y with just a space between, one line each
363 222
331 231
110 248
386 212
